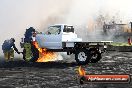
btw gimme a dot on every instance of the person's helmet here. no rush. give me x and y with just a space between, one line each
12 39
31 28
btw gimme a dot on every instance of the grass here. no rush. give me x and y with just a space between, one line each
120 44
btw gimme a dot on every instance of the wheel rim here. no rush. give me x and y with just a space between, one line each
82 56
94 56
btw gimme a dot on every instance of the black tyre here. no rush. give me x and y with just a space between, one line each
96 57
82 57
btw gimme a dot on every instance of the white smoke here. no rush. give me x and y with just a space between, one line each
85 13
17 15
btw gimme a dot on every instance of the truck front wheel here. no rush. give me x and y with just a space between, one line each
82 57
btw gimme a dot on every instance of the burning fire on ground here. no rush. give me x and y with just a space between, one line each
45 56
81 71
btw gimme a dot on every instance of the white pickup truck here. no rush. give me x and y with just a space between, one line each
62 38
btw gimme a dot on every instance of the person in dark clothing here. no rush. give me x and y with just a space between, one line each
28 34
8 48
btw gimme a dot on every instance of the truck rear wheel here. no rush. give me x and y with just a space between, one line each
82 57
96 57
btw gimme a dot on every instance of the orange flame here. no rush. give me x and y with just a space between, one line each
81 71
45 56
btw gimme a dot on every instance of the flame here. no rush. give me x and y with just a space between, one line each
81 71
45 56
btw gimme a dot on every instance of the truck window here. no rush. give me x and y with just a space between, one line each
54 30
68 29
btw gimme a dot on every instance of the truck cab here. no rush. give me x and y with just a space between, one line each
56 35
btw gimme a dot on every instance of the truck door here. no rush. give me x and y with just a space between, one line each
52 38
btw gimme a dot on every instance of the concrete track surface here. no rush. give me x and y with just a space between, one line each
63 74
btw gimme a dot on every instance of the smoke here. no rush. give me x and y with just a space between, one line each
18 15
85 16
